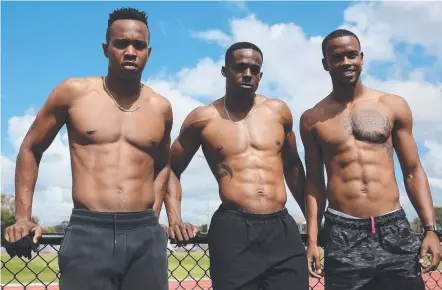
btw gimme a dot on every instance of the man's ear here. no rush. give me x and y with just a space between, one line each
149 50
325 64
362 58
105 47
223 71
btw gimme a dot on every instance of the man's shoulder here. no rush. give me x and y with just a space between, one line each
273 103
201 115
160 102
73 88
76 84
310 117
393 101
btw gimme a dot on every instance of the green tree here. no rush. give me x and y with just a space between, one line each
49 229
203 228
8 211
7 217
416 224
60 228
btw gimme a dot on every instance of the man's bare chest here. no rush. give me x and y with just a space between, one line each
368 125
263 136
143 128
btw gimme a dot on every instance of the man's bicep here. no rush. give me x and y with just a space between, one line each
290 150
406 149
163 152
403 140
314 162
185 146
48 122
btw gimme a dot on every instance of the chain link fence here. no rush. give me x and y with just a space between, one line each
188 267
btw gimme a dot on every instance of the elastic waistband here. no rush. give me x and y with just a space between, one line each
119 221
383 220
224 207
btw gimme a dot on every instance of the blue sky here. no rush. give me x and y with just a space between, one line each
44 43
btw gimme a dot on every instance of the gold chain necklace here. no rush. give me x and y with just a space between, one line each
120 107
243 120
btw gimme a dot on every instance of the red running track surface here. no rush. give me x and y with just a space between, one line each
432 281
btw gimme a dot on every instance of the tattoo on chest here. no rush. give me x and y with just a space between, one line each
390 151
368 125
223 170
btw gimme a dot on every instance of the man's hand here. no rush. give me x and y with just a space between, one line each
182 232
22 228
314 261
430 244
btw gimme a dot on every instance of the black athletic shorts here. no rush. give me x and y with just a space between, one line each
256 251
380 253
113 251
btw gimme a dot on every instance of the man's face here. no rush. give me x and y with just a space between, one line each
128 49
243 72
344 60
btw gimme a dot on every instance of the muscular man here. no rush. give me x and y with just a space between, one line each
248 142
352 131
119 137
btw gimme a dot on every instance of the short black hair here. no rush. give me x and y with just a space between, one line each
241 45
125 13
335 34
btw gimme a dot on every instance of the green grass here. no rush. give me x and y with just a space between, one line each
25 274
181 266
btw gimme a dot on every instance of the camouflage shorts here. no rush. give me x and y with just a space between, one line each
377 253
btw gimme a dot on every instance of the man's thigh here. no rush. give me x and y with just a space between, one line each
290 274
233 265
86 259
399 257
146 259
349 260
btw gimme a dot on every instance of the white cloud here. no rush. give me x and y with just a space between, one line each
52 198
216 35
432 161
293 72
199 186
7 176
204 80
381 25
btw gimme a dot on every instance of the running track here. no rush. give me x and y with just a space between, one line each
205 284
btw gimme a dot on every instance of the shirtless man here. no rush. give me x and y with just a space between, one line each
119 137
248 142
369 243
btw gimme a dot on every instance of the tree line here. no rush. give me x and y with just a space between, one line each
8 218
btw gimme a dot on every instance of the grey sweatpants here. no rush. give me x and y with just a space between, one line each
113 251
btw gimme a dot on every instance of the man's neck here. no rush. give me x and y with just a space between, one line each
123 87
348 93
239 103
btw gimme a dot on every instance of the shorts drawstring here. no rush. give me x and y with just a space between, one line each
115 233
373 226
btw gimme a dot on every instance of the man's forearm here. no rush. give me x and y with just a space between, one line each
173 200
26 172
418 190
160 186
315 206
295 179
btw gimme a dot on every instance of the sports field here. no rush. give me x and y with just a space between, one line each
182 267
45 267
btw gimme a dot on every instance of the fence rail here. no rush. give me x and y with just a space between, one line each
188 267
